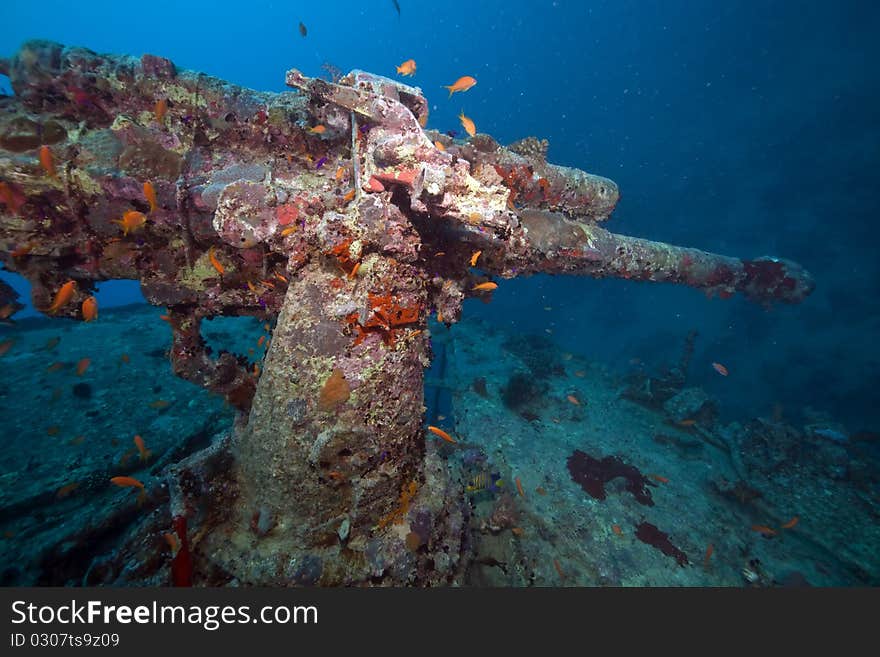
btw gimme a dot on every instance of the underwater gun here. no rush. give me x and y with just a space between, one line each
331 211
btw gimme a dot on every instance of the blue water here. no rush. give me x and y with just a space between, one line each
743 128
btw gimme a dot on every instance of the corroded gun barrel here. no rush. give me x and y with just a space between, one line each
331 212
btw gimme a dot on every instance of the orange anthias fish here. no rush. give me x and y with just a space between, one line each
474 257
339 173
407 68
125 482
131 221
462 84
82 366
574 400
617 530
791 523
442 434
145 454
467 124
47 162
439 146
6 345
317 130
160 109
215 262
519 487
150 194
63 297
709 551
763 529
720 369
485 287
90 309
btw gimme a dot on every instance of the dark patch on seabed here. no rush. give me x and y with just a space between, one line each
583 478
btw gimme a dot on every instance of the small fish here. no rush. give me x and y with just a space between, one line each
160 404
320 163
303 30
256 370
54 367
79 440
580 374
462 84
791 523
53 430
160 109
354 270
474 256
340 172
517 531
62 298
574 400
317 130
165 318
484 481
442 434
288 231
467 124
90 309
617 530
718 367
215 262
660 478
150 195
124 358
47 161
144 453
540 490
763 529
519 487
66 490
397 7
407 68
82 366
709 550
6 345
485 287
51 343
686 423
348 197
125 482
440 254
261 340
439 146
131 221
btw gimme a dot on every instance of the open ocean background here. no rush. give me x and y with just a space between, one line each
744 128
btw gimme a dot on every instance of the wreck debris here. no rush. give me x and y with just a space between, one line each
245 218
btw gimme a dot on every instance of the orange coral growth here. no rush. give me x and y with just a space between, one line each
343 256
398 515
335 391
385 317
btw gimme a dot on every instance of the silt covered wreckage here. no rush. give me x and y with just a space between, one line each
330 212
